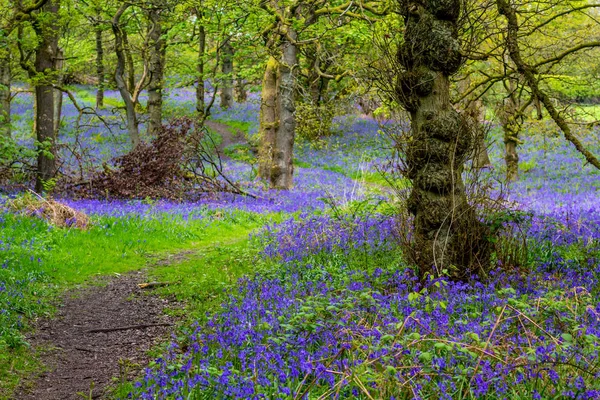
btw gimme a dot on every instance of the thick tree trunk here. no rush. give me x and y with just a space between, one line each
46 55
131 116
227 70
5 81
268 119
156 69
99 64
447 234
200 104
283 153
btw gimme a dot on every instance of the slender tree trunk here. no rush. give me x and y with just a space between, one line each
227 70
447 234
156 70
241 95
5 81
476 113
512 160
268 119
131 116
45 63
200 104
129 62
58 95
99 64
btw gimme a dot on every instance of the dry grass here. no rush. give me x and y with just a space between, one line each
56 213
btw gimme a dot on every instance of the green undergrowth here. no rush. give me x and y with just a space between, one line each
40 262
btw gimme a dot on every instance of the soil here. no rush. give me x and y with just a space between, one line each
80 356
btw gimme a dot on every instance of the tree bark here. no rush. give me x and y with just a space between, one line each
46 54
129 60
58 94
200 91
99 63
268 119
156 70
122 86
241 95
447 236
227 70
282 171
5 82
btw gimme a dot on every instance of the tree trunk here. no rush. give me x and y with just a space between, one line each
476 112
99 64
156 69
58 94
200 104
512 160
227 70
132 122
241 95
5 81
447 236
268 119
129 59
283 152
46 54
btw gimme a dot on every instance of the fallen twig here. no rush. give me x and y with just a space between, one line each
150 285
126 328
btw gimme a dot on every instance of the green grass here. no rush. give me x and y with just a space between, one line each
216 249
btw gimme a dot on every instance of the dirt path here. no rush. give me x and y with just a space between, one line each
79 357
228 134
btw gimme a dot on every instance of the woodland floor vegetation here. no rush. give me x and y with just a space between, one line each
307 295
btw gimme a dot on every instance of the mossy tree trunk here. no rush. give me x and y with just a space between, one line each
227 70
269 119
5 83
46 54
447 234
200 104
282 171
156 69
99 62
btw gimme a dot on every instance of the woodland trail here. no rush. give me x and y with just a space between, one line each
99 333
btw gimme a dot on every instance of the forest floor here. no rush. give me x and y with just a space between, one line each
105 329
99 333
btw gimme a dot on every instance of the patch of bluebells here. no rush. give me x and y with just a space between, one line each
308 329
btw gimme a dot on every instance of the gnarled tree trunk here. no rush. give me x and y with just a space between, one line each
46 55
156 70
447 234
227 70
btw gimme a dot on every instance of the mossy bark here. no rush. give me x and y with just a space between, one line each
269 119
283 168
200 104
46 54
447 234
5 81
227 70
99 62
156 70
